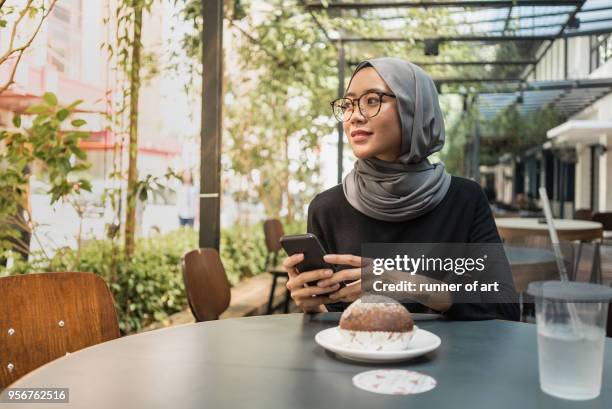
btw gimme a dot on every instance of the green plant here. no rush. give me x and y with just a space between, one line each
129 60
508 132
146 289
243 249
513 133
47 142
149 287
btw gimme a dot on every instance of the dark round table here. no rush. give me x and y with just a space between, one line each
567 229
273 362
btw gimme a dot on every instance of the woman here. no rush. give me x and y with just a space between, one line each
392 118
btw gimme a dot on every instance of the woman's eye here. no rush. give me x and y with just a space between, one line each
346 106
373 101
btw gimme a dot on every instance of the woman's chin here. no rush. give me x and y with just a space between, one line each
362 152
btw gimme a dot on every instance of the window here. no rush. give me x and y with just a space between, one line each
61 13
601 50
64 39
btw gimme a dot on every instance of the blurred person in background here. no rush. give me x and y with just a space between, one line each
187 200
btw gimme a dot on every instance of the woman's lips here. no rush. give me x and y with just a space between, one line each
360 136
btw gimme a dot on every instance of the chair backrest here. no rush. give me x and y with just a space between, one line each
605 218
583 214
206 284
44 316
273 231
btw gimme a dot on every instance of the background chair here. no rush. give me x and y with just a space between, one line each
583 214
273 231
206 284
44 316
605 218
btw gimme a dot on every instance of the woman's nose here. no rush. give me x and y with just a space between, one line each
357 116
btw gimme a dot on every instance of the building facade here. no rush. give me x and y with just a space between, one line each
574 164
67 58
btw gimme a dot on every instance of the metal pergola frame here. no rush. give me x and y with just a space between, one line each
477 39
505 36
510 17
317 5
210 133
212 13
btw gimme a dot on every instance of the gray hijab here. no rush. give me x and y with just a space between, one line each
410 187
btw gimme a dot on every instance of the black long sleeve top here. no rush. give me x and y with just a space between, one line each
463 216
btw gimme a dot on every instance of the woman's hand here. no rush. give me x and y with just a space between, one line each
309 299
352 291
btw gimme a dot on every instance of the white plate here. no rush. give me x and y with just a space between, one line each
422 342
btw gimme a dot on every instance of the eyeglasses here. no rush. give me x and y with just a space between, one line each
369 107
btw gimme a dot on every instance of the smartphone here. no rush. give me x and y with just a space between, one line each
313 251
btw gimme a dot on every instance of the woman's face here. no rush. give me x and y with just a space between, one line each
381 135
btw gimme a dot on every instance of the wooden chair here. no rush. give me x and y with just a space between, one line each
605 218
206 284
44 316
583 214
273 231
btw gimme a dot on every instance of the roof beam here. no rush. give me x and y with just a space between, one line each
588 84
587 33
597 20
474 80
462 63
500 19
476 38
507 22
560 34
421 4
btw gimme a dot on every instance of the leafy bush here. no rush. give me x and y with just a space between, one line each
243 249
149 287
146 289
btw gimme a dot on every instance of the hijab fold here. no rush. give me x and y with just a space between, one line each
412 186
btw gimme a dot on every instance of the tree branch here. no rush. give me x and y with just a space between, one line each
21 50
10 50
11 79
255 41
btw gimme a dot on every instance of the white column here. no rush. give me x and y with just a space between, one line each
605 175
582 191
